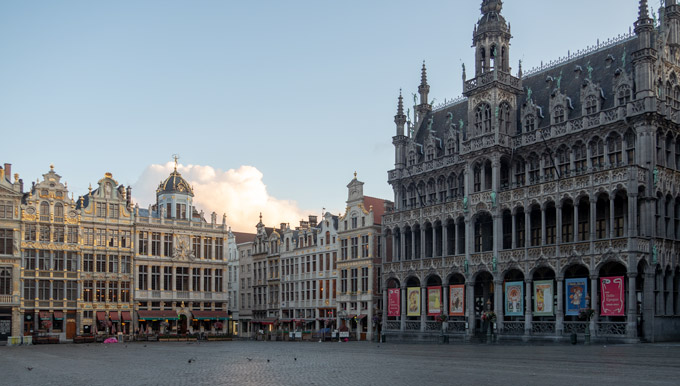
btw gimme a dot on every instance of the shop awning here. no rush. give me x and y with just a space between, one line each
157 315
126 316
285 320
114 316
359 317
58 315
210 315
266 321
45 315
101 315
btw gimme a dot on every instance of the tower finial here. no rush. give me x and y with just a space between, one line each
355 174
176 158
400 118
644 10
423 90
423 75
400 106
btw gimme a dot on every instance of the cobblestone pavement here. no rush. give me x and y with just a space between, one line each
354 363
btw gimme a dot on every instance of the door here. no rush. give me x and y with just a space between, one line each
182 324
70 329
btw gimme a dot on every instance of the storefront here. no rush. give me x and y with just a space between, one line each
209 321
157 322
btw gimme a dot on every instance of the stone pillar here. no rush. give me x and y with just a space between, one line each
559 314
445 300
593 218
402 245
403 309
201 252
469 246
528 316
543 226
385 307
423 307
173 285
413 244
577 236
162 245
631 314
558 227
148 242
470 308
611 217
527 227
594 303
498 303
455 238
631 224
514 231
423 242
445 240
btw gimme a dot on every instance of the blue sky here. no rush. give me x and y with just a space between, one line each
304 91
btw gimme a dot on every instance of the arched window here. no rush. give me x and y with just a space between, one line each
580 158
614 150
676 97
669 150
623 95
452 182
477 174
504 121
529 123
441 188
411 158
630 147
461 184
597 153
591 105
430 153
483 232
548 167
431 192
558 114
520 172
44 211
563 160
483 118
58 212
534 168
450 147
669 94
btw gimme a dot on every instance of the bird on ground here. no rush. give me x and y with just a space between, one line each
192 360
249 359
29 368
267 360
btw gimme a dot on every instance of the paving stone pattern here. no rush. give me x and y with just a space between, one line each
354 363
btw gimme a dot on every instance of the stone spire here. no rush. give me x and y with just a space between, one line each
424 88
644 10
400 118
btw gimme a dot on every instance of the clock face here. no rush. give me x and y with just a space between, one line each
353 193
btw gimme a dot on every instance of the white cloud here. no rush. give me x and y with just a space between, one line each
240 193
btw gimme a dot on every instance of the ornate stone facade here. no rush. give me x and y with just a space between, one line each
10 254
569 172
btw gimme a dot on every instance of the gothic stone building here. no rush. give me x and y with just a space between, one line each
542 196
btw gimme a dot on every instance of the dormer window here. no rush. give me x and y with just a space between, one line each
529 123
558 114
430 153
412 158
591 105
623 95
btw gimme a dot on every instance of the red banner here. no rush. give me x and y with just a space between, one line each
393 302
612 296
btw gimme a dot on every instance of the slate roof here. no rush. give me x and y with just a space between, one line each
571 83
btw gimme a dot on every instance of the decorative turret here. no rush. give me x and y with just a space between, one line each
424 90
399 140
645 56
400 118
491 38
672 20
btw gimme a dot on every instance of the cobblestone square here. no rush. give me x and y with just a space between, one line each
354 363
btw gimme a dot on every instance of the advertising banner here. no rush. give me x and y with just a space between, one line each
575 291
514 298
457 300
434 301
393 302
543 298
612 296
413 301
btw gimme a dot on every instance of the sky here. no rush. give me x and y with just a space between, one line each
271 105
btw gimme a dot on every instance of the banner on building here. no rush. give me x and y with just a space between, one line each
393 302
543 298
575 291
457 300
514 298
434 301
612 296
413 301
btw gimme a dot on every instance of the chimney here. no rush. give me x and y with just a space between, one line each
283 226
129 195
312 221
8 172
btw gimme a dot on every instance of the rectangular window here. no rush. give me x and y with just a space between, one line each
355 280
88 236
72 237
45 233
29 259
114 210
44 260
196 246
101 263
207 280
88 291
195 279
207 248
143 243
71 261
113 238
6 242
44 289
182 279
167 278
343 281
29 289
58 290
125 292
6 209
219 248
155 278
100 209
30 232
364 246
113 291
125 264
219 285
125 239
167 245
58 260
155 244
143 275
59 233
355 247
100 237
88 262
364 279
343 249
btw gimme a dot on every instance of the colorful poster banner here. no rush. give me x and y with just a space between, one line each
457 300
612 296
576 291
434 301
393 302
413 301
543 298
514 298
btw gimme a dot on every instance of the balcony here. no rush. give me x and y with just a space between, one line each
180 295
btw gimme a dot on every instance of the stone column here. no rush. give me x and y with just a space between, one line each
402 245
149 274
469 246
423 242
631 224
423 307
558 227
173 285
445 239
162 245
201 253
413 244
631 315
593 218
498 304
148 243
543 226
611 217
527 227
559 314
594 303
455 238
385 308
514 230
470 308
528 316
403 309
577 236
445 300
